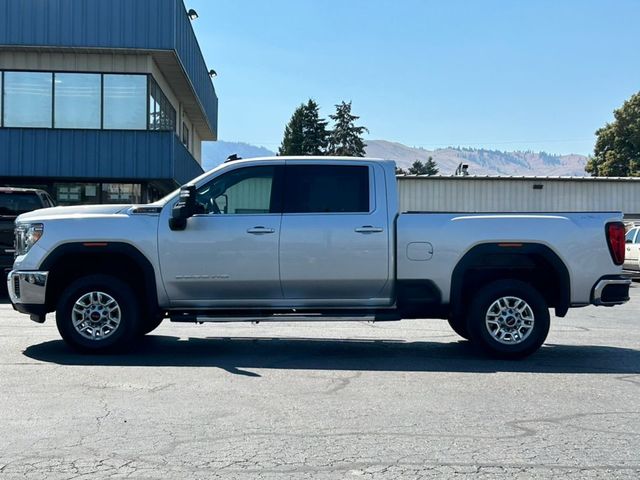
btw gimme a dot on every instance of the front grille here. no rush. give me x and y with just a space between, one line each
16 286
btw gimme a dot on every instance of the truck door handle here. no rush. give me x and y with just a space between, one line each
260 230
369 229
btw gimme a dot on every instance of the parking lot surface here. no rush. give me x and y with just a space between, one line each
403 400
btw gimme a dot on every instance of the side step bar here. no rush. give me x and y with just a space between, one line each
256 317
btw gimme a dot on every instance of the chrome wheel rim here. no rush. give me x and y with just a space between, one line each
510 320
96 315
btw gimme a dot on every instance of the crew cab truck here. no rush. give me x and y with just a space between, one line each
283 239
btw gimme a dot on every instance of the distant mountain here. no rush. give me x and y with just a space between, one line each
214 153
481 161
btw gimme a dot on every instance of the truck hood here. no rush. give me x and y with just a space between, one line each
74 211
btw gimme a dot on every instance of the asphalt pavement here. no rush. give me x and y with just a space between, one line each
398 400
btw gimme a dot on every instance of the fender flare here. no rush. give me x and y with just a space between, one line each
118 248
519 249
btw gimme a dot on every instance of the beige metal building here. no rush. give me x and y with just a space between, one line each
520 194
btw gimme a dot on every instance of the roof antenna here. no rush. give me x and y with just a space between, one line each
232 158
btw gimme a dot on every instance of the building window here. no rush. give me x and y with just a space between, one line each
185 135
121 193
125 102
94 193
106 101
27 99
162 115
77 100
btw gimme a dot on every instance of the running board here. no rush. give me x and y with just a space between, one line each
286 317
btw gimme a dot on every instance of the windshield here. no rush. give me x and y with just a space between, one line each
16 203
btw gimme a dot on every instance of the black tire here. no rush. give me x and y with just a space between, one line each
479 331
459 325
151 324
119 338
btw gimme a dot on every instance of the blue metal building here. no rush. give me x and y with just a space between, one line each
102 101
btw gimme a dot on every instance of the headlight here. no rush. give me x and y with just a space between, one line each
27 234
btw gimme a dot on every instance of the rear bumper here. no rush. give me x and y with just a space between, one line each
611 290
27 292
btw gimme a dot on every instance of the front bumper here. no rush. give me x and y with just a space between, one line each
27 292
611 290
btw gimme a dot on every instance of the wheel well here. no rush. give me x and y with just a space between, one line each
72 262
534 264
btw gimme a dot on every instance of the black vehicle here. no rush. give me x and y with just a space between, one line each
13 202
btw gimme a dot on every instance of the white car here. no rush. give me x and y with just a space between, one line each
632 254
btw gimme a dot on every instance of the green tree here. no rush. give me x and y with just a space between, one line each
419 168
431 167
306 133
346 138
617 150
293 134
315 137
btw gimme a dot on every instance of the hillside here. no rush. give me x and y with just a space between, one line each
214 153
480 161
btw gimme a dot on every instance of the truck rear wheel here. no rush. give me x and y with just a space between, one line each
508 319
98 313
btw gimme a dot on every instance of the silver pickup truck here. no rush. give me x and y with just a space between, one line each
283 239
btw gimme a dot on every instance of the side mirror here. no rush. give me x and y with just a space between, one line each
185 208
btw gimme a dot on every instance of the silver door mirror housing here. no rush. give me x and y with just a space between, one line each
185 208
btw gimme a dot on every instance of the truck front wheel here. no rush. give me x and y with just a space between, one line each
508 319
98 313
459 325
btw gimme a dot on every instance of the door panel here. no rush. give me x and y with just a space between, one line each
221 258
338 255
228 253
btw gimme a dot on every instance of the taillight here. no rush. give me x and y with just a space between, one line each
615 240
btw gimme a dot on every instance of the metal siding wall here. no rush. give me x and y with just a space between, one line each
194 64
95 154
185 166
517 195
75 62
143 24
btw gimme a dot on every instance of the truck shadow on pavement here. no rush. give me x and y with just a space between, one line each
240 355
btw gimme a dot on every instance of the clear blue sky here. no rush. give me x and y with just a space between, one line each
540 75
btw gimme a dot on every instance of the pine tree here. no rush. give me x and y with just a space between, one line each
419 168
431 167
294 134
315 137
306 133
346 138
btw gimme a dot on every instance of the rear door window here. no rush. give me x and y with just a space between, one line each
327 189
